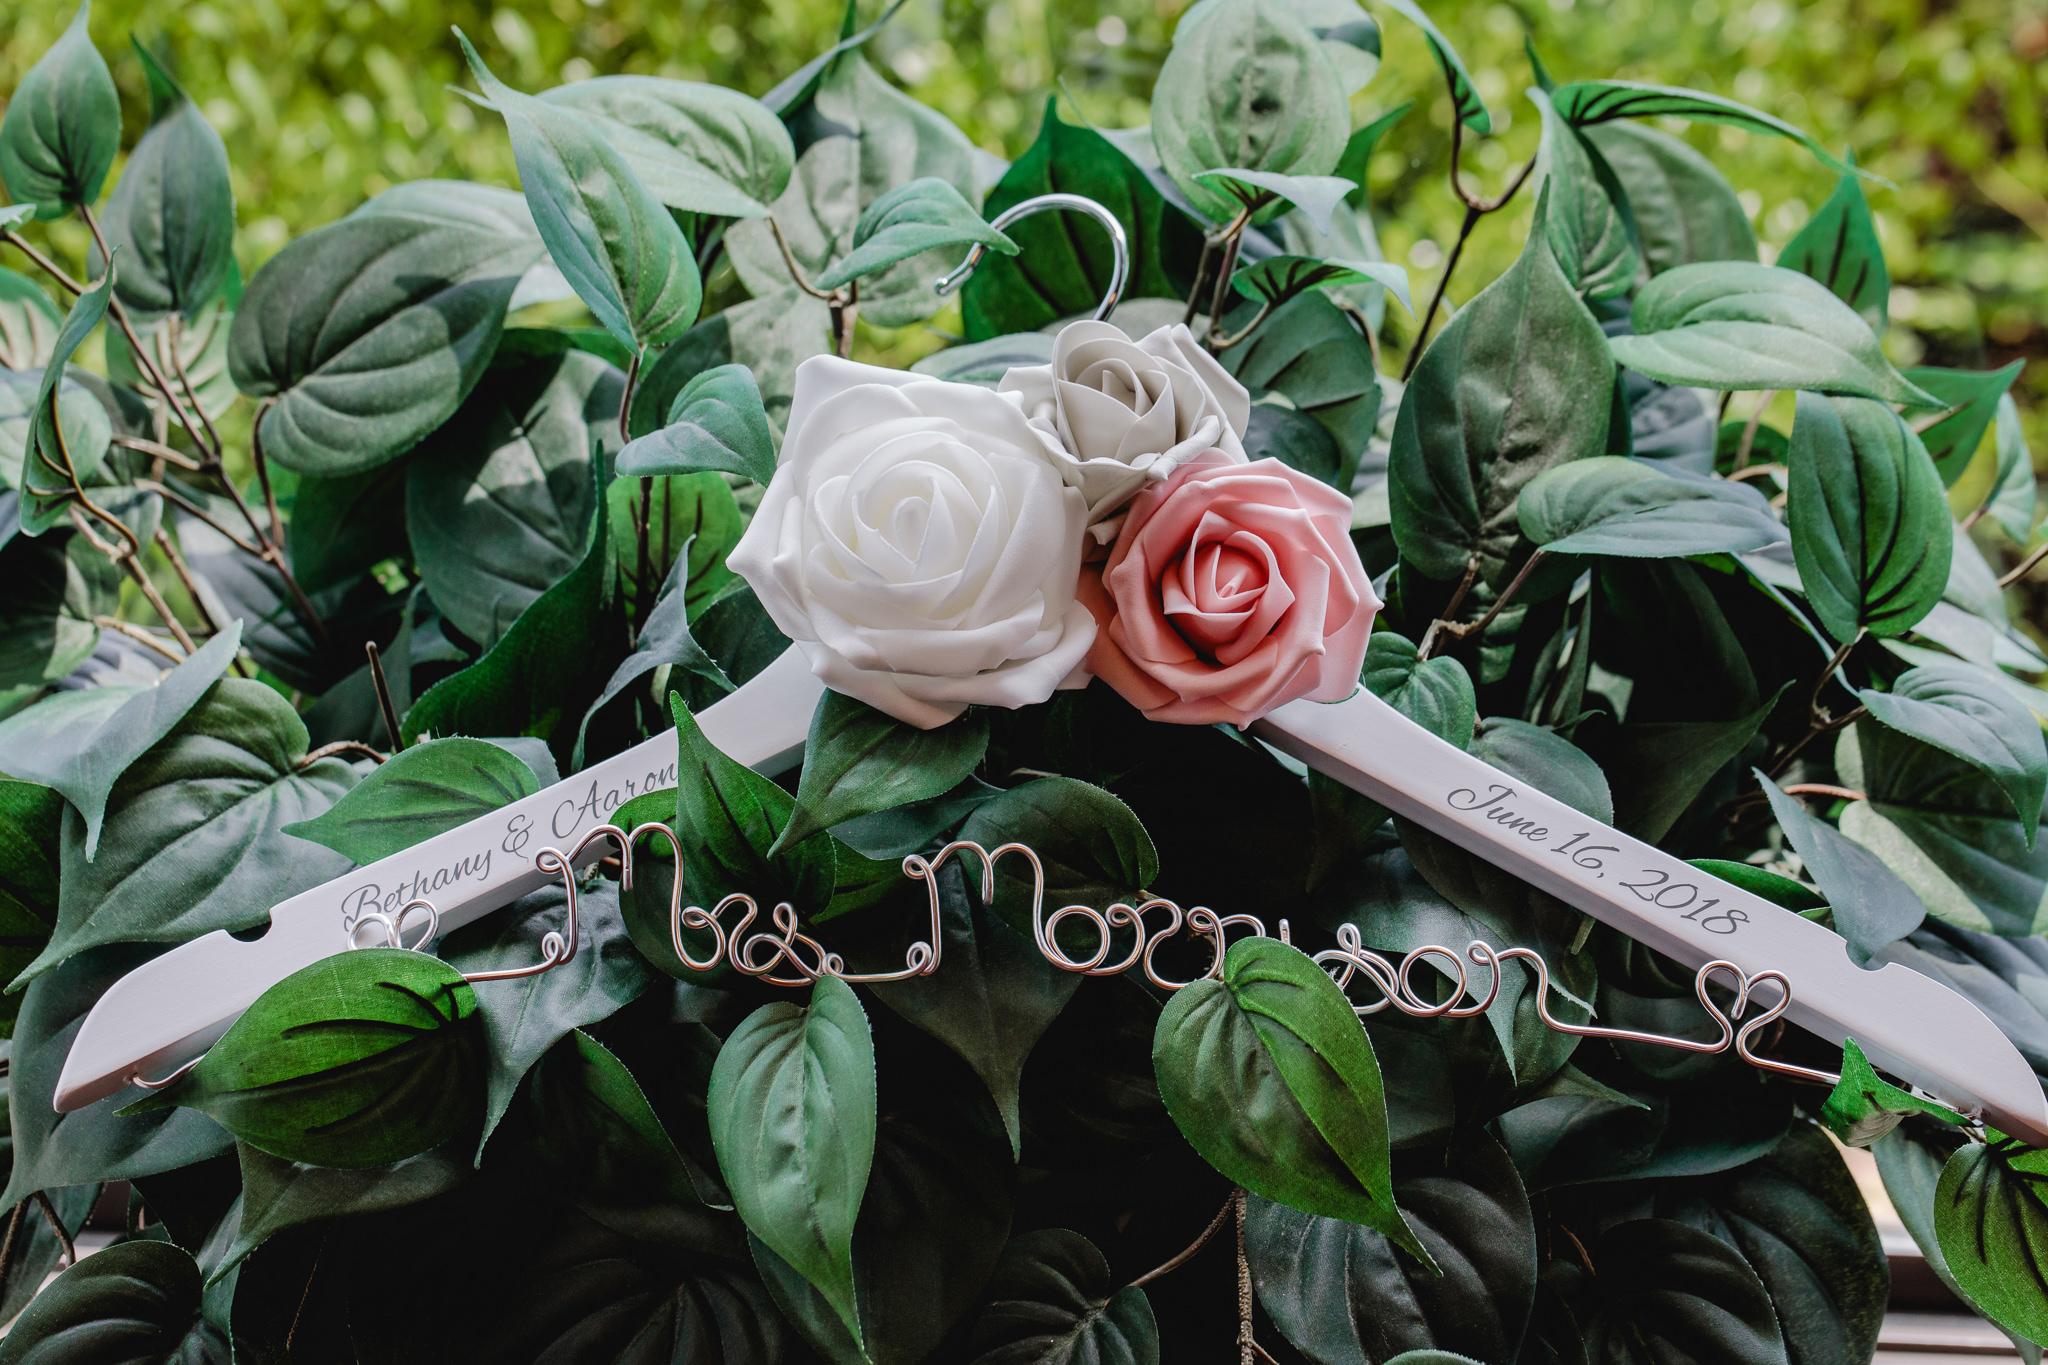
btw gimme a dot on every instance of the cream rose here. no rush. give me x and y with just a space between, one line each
1129 413
918 544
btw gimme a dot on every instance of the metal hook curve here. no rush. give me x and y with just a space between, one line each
1119 245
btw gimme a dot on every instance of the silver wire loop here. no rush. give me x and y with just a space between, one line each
1119 245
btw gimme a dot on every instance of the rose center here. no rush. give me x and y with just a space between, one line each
1215 589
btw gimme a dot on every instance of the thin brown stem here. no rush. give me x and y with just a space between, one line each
342 746
1436 298
275 540
157 450
1976 516
1749 429
383 689
626 397
1218 341
1819 722
1507 595
1226 266
292 1333
57 1226
796 272
176 324
157 603
1450 610
1215 1226
184 573
845 305
44 263
139 636
1824 789
14 1221
2025 566
1245 1346
170 494
1757 471
144 358
1187 319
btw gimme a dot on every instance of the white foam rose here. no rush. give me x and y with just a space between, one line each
1127 413
918 544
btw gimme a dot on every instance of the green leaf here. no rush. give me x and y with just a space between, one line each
525 1016
1315 196
730 818
1871 906
1277 279
1247 87
540 677
1658 768
199 343
923 215
699 148
37 1250
1839 247
1269 1075
173 211
1053 1301
1092 847
693 517
793 1121
134 1303
278 1195
600 1134
1310 354
1435 693
1340 1293
1685 209
716 422
1665 1291
1550 761
1959 711
1992 1221
420 792
1465 101
343 527
858 761
57 585
499 502
49 464
1592 229
2011 501
362 1059
1971 397
612 239
1777 889
1870 523
866 138
1738 325
63 125
1591 102
1640 509
664 642
80 415
370 332
28 320
1517 383
82 742
31 818
1063 262
1863 1106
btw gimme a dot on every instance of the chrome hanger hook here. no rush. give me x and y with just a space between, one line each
1119 245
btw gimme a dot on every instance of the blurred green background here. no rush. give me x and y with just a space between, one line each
325 102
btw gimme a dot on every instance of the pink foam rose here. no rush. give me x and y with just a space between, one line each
1232 589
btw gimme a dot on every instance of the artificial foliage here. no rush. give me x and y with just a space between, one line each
477 554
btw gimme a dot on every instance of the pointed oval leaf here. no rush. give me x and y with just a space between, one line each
1277 279
1838 246
1869 520
793 1122
731 818
923 215
1641 509
621 251
1737 325
28 324
716 422
63 125
700 148
1052 1301
136 1303
1871 906
50 464
57 586
2014 491
362 1059
1316 196
1592 228
1958 710
1465 101
1667 1291
1972 400
1436 693
1249 87
173 211
417 793
858 761
1591 102
278 1195
1863 1107
1992 1222
1269 1075
1685 209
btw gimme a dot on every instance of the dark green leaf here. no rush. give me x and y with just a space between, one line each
419 792
1311 355
700 148
57 584
37 1250
1773 887
1972 399
132 1303
1269 1075
1839 247
1960 712
28 320
1343 1296
1465 100
612 239
279 1194
1992 1222
173 212
690 516
362 1059
1052 1301
1658 768
1605 505
50 466
1277 279
371 331
793 1121
1434 693
858 761
523 1017
344 527
31 817
1092 847
1592 228
1871 906
730 818
1590 102
541 677
93 1144
1739 325
1548 760
1685 209
1667 1292
1869 521
1063 264
1315 196
920 216
716 422
2013 495
1863 1106
63 125
664 642
1516 384
1248 86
